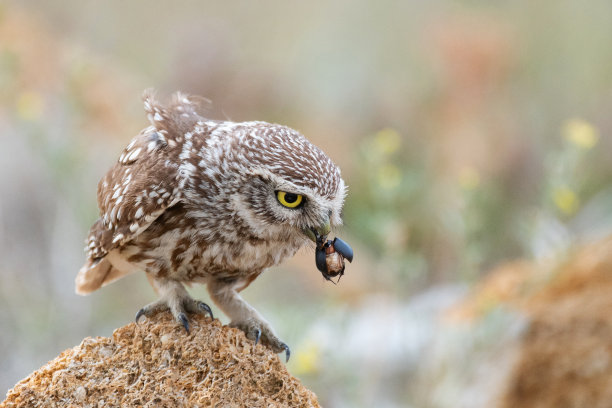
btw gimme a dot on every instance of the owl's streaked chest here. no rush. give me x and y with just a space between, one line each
191 249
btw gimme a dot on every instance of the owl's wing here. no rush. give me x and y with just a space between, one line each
139 188
143 183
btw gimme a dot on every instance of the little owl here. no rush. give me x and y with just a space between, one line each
215 202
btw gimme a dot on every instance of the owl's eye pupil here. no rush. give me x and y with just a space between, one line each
291 198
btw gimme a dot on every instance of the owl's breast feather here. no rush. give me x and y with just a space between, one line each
256 255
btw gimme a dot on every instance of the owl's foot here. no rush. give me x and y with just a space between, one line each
257 330
178 306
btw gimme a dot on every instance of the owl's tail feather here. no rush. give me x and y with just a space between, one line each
95 274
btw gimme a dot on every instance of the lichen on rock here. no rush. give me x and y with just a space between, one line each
157 364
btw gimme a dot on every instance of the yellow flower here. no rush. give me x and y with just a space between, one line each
306 360
469 178
389 176
30 105
387 141
581 133
566 200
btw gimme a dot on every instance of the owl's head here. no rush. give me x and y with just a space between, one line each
292 188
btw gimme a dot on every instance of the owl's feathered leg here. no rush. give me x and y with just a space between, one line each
173 297
244 316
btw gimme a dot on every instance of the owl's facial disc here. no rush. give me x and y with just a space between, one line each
277 207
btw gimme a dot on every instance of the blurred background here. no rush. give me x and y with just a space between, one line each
472 134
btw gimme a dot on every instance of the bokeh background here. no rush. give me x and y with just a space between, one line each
472 134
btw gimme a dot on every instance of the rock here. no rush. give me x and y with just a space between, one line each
562 357
566 356
156 363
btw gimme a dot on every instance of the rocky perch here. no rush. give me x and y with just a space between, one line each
157 364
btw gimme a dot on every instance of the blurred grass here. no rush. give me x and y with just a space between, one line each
469 132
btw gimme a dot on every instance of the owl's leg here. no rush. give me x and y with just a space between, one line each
244 316
173 297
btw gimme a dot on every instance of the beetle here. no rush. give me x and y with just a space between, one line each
330 256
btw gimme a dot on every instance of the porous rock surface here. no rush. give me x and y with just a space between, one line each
157 364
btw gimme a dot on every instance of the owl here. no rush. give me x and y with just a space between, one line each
194 200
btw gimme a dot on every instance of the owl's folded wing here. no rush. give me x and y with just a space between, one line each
142 184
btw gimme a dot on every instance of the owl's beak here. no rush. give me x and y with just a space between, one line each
319 233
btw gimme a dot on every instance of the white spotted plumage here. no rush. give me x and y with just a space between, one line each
193 200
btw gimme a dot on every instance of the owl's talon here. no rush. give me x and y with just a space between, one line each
183 320
257 335
287 352
205 308
179 305
140 313
256 330
197 306
151 309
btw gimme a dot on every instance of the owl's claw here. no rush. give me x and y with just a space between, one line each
256 330
179 310
287 352
257 335
203 307
183 320
151 309
139 315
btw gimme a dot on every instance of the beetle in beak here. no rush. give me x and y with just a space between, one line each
329 255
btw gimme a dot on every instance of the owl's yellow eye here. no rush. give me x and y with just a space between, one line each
289 200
